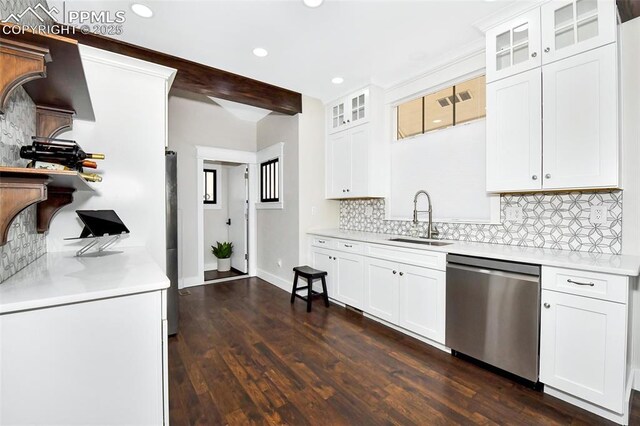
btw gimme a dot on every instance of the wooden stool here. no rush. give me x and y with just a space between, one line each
309 274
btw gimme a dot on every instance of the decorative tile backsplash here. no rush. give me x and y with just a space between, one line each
16 128
551 220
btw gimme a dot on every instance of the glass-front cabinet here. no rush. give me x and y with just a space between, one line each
573 26
513 47
349 111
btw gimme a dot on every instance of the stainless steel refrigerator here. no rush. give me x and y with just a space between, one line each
171 194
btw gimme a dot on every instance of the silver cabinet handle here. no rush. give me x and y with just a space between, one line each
547 49
348 245
579 283
348 190
534 177
401 273
321 241
546 305
395 272
534 54
548 176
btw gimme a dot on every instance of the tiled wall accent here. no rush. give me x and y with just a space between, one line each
16 128
551 220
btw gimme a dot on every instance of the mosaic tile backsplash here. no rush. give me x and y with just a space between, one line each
551 220
17 126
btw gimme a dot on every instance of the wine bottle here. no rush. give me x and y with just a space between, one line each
91 177
63 151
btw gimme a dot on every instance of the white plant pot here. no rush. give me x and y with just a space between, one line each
224 265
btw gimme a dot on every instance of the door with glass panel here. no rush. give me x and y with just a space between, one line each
573 26
514 46
358 108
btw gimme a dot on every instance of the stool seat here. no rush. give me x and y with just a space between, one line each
309 274
309 271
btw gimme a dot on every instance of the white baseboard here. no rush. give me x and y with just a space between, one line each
277 281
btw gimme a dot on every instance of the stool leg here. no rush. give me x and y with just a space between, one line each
295 287
309 290
325 294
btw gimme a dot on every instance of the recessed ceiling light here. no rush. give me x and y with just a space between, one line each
337 80
260 52
437 121
312 3
142 10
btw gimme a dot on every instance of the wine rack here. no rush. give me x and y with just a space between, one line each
50 189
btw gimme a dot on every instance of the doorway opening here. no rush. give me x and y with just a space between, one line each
225 226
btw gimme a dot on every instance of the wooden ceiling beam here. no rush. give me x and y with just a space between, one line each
629 9
197 78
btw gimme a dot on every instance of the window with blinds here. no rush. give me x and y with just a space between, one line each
448 107
269 185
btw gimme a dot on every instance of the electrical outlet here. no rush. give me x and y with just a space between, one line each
514 214
598 215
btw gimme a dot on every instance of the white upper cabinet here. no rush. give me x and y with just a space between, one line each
581 121
514 133
356 153
514 47
348 111
570 27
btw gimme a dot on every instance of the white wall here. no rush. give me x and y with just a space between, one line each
315 211
215 218
196 120
278 231
129 99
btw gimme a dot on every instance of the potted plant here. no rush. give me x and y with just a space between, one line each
223 252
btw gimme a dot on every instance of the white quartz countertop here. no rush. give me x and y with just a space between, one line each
597 262
62 278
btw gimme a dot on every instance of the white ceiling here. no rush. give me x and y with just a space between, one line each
380 42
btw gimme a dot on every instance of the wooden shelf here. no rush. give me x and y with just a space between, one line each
50 189
65 85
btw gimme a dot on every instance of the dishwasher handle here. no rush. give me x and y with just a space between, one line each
494 272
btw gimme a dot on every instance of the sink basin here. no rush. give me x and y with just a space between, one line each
425 242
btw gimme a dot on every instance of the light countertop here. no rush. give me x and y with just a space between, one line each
596 262
62 278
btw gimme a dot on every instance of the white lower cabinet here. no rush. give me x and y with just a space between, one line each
350 284
584 337
583 347
322 259
382 289
422 301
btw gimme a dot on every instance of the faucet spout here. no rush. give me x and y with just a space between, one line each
430 230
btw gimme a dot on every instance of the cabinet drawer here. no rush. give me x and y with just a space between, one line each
323 242
583 283
428 259
350 246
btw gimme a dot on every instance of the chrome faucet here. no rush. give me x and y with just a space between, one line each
432 231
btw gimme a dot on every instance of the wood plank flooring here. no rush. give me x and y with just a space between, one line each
244 355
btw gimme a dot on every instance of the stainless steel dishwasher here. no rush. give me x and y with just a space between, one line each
493 312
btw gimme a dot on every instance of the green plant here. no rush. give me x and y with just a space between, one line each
223 250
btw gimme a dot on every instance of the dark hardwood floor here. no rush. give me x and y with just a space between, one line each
216 275
244 355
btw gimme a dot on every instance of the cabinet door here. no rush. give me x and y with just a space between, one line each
513 47
422 301
359 139
574 26
514 133
338 165
358 108
580 121
337 116
97 362
350 273
323 260
382 296
583 347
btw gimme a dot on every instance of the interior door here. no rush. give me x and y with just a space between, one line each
238 195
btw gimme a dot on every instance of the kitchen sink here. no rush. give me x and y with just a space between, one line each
425 242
